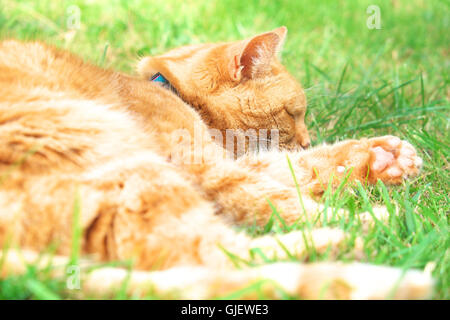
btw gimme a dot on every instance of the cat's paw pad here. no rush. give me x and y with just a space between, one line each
393 159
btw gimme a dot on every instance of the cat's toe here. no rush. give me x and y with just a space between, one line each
408 159
393 160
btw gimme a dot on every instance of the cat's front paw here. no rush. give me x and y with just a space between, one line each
392 160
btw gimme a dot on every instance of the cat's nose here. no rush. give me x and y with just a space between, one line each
301 133
302 136
306 144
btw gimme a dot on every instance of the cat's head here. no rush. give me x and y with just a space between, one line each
237 85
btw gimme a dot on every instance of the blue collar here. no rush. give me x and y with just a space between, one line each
159 78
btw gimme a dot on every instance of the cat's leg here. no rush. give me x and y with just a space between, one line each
244 193
386 158
273 281
150 213
146 211
248 192
141 208
241 194
307 281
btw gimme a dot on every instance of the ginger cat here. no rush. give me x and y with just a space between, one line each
154 186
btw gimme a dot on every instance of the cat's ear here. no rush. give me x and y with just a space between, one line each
251 58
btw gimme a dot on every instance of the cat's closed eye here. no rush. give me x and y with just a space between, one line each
238 85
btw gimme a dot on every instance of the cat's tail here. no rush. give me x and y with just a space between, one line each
309 281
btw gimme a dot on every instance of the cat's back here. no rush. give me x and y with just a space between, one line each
37 66
22 68
27 56
66 109
23 56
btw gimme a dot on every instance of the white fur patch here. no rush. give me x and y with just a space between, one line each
394 172
394 142
382 159
405 162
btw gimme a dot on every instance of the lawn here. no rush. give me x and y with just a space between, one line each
360 82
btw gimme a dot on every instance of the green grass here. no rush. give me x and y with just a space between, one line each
359 83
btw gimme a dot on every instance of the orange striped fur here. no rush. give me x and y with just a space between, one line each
70 130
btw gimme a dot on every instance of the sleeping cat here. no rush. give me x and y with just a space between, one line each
153 186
